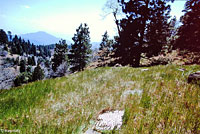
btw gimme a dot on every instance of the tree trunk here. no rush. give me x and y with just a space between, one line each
141 41
137 60
116 22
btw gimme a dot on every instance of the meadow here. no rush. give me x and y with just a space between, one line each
168 104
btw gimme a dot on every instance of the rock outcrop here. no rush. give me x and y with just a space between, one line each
7 75
194 78
8 72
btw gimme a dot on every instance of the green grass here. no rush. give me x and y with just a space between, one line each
71 104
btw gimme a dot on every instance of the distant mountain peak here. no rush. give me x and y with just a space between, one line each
40 38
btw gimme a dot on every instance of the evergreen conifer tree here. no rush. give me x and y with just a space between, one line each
3 37
22 66
189 32
105 46
31 61
80 49
38 73
60 54
143 30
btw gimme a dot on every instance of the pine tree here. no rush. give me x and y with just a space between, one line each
60 54
17 61
31 61
22 66
16 46
80 49
3 37
38 73
143 30
189 32
10 36
105 46
33 50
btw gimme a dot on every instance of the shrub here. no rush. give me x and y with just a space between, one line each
160 61
62 69
22 78
22 66
38 73
9 62
29 69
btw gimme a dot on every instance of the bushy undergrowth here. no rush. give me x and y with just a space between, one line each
70 104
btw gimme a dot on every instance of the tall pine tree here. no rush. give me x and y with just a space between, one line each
60 54
105 46
143 30
80 49
189 32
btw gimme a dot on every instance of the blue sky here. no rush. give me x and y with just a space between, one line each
60 17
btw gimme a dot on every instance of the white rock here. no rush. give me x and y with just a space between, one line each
144 69
132 92
109 120
180 69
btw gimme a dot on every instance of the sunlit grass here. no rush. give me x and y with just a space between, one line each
71 104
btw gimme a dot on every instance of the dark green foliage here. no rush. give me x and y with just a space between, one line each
29 69
9 61
60 53
33 50
105 46
40 60
17 45
5 48
81 48
22 66
24 77
38 73
47 63
144 30
173 29
105 43
16 62
44 51
3 37
189 32
31 61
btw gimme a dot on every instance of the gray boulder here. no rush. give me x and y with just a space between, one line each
194 78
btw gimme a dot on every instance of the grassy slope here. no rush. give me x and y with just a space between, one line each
69 104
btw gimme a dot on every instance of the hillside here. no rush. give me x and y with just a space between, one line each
166 103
